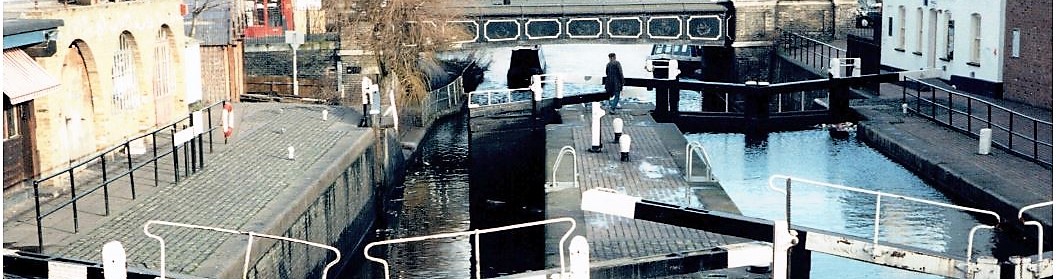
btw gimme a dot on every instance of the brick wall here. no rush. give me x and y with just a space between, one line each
814 17
1029 77
215 72
80 118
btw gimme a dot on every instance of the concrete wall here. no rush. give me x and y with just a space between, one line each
337 208
914 53
81 117
1029 77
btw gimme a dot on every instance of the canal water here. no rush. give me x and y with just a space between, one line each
435 195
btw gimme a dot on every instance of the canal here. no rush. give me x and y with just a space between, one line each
435 197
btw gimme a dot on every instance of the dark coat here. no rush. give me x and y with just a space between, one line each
614 76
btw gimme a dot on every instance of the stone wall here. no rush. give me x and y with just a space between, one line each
1029 77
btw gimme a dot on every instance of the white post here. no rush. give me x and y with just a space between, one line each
626 147
579 258
618 128
114 260
324 115
904 108
559 86
596 132
291 153
295 70
782 240
984 141
340 79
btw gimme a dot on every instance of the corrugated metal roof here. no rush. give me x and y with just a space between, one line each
24 80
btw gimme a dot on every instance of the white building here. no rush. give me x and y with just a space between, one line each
964 38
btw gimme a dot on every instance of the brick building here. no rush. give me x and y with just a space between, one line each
1028 52
119 73
23 81
219 32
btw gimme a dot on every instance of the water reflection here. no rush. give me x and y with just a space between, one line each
744 166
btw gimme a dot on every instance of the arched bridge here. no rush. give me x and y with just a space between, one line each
708 23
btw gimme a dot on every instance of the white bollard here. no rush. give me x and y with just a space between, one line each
324 115
114 260
579 258
984 141
596 127
905 108
626 147
291 153
559 87
782 241
618 128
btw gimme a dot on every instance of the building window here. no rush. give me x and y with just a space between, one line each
977 37
919 30
1015 42
124 75
11 121
890 27
901 28
163 83
950 35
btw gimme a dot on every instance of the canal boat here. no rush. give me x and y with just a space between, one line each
689 57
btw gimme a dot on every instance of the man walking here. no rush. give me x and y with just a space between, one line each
614 81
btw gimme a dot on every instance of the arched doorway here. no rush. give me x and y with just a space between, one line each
77 110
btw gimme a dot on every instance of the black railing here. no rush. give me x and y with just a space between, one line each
191 151
1026 136
808 51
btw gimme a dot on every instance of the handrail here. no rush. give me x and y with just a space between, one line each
879 195
690 151
476 238
968 110
247 253
1019 216
557 161
129 170
811 39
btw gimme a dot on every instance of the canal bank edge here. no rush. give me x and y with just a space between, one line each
949 170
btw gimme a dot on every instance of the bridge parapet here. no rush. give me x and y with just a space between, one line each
697 23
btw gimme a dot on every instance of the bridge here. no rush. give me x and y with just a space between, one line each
708 23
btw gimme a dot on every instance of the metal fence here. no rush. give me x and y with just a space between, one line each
1025 136
807 50
119 163
446 100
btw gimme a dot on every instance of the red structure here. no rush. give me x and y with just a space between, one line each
269 18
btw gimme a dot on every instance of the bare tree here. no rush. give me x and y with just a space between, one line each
403 36
198 7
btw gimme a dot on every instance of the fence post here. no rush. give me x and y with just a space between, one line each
73 199
129 163
37 210
155 156
106 194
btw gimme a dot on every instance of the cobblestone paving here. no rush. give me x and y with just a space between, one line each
652 174
239 183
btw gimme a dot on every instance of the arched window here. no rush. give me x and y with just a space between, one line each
124 75
977 37
901 27
163 83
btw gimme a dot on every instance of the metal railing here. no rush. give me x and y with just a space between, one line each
1026 136
809 51
193 162
690 152
879 197
442 101
247 253
1019 216
558 160
476 241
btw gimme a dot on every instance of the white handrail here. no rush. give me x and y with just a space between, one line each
879 195
1019 216
247 253
476 240
554 173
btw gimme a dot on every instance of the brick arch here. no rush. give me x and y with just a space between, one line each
78 110
164 75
